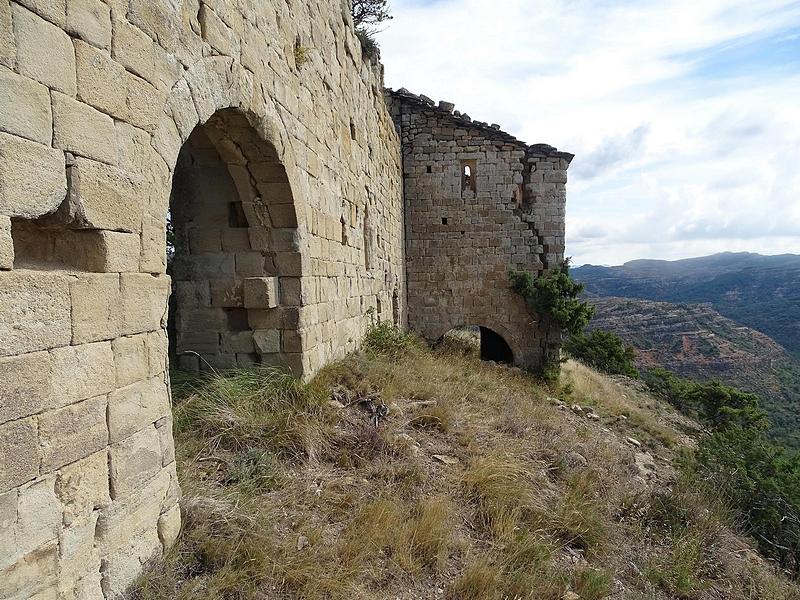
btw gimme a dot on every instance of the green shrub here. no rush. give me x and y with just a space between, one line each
603 350
385 339
554 296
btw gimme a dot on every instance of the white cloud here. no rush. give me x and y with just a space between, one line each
685 127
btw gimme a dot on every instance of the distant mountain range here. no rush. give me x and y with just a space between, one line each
762 292
732 317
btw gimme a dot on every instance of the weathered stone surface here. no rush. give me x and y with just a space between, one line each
82 130
8 53
105 197
133 48
261 292
153 255
72 433
134 515
6 244
136 407
25 107
90 20
26 385
95 307
267 341
101 80
134 461
144 301
157 355
44 52
8 525
32 574
34 311
51 10
144 103
169 526
39 514
82 487
131 358
19 460
121 568
164 428
33 179
82 372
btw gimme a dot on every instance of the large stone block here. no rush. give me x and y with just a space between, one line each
95 307
261 292
34 311
26 386
39 514
77 555
131 358
90 20
157 352
121 568
8 52
153 255
6 245
101 80
267 341
25 107
19 458
136 407
8 525
144 302
82 372
105 197
82 487
134 461
83 130
134 514
33 178
52 10
169 526
145 103
44 52
34 576
72 433
133 48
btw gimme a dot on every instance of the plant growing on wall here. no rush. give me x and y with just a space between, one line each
367 15
554 296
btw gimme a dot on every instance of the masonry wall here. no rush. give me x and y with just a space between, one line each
97 99
464 233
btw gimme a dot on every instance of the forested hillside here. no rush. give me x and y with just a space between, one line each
695 341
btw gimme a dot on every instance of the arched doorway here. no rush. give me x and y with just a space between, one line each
479 341
232 252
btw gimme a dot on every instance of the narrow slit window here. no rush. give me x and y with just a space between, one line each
468 174
430 169
444 220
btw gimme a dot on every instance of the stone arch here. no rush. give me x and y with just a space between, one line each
218 104
497 343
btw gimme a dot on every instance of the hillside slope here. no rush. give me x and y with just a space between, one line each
403 473
695 341
761 292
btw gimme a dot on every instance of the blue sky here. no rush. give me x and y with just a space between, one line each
684 115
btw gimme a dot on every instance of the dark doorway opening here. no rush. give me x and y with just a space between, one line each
494 347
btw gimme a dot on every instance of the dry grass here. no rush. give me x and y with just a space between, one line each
286 496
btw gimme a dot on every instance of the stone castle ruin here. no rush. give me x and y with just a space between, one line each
218 184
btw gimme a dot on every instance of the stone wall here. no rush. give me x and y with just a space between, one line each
97 101
478 203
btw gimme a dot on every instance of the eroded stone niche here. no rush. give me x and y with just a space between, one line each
235 260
